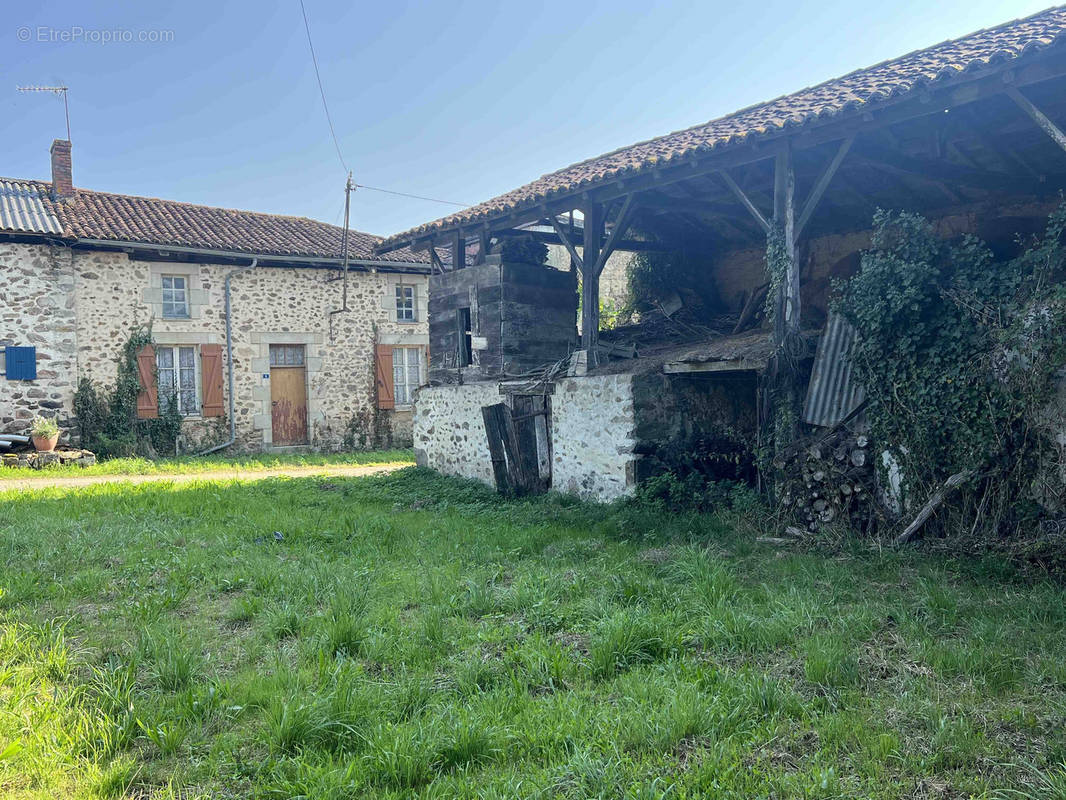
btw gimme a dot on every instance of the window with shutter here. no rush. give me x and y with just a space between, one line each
148 399
211 377
383 376
20 363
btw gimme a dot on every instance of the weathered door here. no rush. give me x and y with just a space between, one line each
288 394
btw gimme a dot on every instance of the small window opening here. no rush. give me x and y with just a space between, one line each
466 348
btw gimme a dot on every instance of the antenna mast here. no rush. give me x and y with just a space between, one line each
57 90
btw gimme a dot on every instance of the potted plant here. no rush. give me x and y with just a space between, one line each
45 433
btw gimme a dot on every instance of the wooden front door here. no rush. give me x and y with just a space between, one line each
288 394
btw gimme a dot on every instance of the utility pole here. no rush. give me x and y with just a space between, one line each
56 90
344 238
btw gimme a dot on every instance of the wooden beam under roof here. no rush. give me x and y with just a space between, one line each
1038 116
822 184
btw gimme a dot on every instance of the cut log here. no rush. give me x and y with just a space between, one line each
939 496
774 540
858 457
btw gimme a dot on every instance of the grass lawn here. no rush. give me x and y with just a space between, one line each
193 464
409 635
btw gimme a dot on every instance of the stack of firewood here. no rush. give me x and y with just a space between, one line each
827 478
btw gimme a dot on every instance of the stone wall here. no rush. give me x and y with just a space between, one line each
449 430
714 415
592 423
592 433
37 309
106 294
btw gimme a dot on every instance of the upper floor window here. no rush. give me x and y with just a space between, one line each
175 297
405 304
177 378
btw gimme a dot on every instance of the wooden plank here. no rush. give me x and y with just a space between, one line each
518 464
745 200
822 184
751 307
495 431
1038 116
695 367
458 250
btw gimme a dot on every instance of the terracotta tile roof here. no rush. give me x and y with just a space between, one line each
863 87
126 218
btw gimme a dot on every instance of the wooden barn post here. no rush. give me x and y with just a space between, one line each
590 282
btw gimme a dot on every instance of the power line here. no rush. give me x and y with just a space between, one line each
321 91
333 133
413 196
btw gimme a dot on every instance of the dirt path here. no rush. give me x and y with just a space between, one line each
326 470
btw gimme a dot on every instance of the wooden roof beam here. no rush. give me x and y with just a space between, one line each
822 184
1037 116
745 201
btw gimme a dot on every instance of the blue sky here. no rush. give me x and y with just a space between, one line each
456 100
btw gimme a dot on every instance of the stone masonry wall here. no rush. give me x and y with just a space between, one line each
449 430
592 434
37 309
271 305
593 424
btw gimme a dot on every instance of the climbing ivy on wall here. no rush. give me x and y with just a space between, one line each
107 419
960 356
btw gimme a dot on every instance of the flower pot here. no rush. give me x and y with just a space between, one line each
45 444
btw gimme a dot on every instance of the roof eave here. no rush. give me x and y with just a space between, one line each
947 92
278 259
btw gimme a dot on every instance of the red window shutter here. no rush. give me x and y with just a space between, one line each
383 371
211 379
148 399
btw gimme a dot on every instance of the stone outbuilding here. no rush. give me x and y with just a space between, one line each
750 219
236 299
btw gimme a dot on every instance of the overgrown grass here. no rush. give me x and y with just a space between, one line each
410 635
187 465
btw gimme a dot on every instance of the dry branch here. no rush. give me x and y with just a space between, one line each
939 496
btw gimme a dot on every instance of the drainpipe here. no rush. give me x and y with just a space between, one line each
229 361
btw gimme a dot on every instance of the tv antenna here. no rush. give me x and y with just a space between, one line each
56 90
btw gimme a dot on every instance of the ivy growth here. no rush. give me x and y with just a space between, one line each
960 356
107 420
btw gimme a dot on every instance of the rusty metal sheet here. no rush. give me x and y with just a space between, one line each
832 393
23 209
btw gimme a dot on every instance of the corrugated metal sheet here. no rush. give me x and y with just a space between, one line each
23 209
832 394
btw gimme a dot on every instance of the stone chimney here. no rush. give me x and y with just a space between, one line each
62 181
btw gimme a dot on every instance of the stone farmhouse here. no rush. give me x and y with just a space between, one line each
529 392
247 313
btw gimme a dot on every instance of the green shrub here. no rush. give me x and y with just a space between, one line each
960 354
107 421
